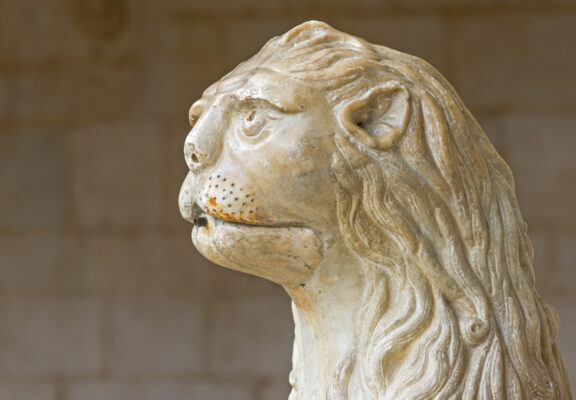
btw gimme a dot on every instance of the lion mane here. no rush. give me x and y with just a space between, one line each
450 309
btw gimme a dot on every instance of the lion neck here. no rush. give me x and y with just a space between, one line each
325 311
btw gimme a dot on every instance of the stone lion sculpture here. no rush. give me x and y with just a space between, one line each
354 176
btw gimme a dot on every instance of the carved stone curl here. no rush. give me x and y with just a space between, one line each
354 176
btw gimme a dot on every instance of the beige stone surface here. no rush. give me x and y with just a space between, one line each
277 389
123 191
51 337
4 101
22 269
98 90
172 62
143 265
353 176
242 317
195 9
46 41
23 391
562 271
156 337
546 166
155 391
32 167
485 60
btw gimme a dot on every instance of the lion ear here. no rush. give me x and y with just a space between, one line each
379 117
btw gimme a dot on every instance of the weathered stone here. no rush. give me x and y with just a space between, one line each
540 150
491 55
32 179
354 176
155 391
54 336
242 342
147 264
24 269
124 191
182 57
563 269
27 391
155 336
40 39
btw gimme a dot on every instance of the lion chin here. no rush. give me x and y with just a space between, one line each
285 255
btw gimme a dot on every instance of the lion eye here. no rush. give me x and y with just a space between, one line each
254 122
195 112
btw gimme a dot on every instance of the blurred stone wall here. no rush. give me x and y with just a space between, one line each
102 295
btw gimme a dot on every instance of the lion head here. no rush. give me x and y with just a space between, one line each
324 139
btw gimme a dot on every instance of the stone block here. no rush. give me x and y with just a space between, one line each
32 179
312 8
195 9
252 336
180 63
156 391
67 32
156 337
469 6
26 391
43 262
4 98
144 264
117 175
29 261
89 91
51 336
563 271
540 153
274 390
515 61
29 33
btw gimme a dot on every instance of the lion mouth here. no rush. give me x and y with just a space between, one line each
201 218
283 254
205 220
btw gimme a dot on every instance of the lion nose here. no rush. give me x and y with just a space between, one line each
201 149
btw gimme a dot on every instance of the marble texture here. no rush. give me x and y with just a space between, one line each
354 176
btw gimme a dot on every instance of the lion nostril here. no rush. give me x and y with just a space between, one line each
191 155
